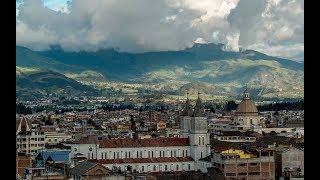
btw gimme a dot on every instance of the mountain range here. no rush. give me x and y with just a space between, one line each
204 67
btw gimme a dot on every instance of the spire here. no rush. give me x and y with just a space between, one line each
187 108
246 94
198 109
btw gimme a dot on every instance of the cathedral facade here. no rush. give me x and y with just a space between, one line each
184 153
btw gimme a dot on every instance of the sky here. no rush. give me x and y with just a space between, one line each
274 27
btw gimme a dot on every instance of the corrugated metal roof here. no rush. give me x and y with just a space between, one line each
57 156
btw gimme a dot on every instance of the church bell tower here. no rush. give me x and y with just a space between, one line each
198 136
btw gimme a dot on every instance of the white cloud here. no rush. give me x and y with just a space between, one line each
144 25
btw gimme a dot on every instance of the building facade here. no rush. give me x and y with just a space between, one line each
28 140
237 164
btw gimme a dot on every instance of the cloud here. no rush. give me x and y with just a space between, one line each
144 25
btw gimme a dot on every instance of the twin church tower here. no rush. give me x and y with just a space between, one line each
193 125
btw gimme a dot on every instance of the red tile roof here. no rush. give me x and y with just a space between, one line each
142 160
152 142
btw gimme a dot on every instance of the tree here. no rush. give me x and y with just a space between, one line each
231 105
22 109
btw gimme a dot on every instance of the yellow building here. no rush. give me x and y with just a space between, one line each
240 153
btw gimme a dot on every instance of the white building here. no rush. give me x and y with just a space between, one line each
154 154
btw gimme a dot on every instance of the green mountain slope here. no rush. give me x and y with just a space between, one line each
33 83
217 72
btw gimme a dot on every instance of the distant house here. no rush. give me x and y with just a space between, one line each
90 170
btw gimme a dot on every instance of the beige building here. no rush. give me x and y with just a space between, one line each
53 138
29 140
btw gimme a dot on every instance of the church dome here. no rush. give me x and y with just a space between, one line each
247 106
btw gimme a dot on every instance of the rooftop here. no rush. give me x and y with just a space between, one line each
141 160
150 142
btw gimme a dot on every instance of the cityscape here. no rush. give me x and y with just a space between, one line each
190 96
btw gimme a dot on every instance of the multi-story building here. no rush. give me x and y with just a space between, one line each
53 138
238 164
29 140
153 154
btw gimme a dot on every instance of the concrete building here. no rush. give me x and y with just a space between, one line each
29 140
53 138
238 164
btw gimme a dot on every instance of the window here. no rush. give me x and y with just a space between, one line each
55 140
199 141
154 168
151 153
177 167
254 173
49 140
137 154
142 167
171 153
175 153
230 174
201 155
165 167
129 154
114 155
242 174
118 155
243 164
125 155
148 154
189 166
140 154
105 155
101 155
91 155
202 140
253 164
